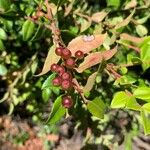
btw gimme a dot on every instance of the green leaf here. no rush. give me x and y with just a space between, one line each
57 111
46 94
3 34
4 5
145 122
2 47
142 93
132 104
39 32
48 82
146 107
3 70
119 100
145 54
141 30
97 108
28 30
113 3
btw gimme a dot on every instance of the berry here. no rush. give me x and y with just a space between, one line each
58 51
60 70
66 76
66 53
66 84
79 54
57 81
54 67
67 102
70 63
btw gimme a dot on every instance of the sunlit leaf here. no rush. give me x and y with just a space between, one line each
119 100
131 4
90 82
142 93
95 58
125 36
50 59
99 16
81 43
3 70
125 21
145 122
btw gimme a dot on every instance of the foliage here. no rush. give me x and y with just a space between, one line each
112 76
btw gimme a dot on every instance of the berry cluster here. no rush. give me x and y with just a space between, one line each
64 75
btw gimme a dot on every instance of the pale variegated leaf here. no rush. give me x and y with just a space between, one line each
85 44
99 16
126 21
125 36
90 82
131 4
50 59
95 58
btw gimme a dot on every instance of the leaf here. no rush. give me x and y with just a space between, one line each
99 16
145 122
146 107
142 93
50 59
85 24
126 21
38 33
28 30
114 3
141 30
11 108
3 34
3 70
2 47
46 93
119 100
97 108
95 58
125 36
48 82
131 4
80 43
57 111
5 5
90 83
132 104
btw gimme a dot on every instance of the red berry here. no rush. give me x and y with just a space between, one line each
67 102
66 53
57 81
66 76
79 54
60 70
54 67
66 84
70 63
58 51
